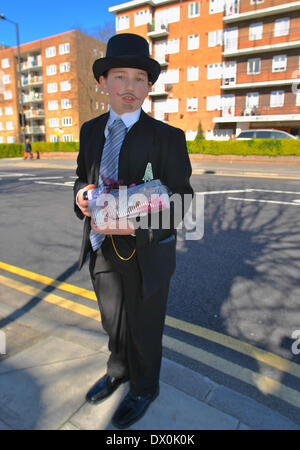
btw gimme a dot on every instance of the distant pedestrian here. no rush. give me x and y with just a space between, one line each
27 149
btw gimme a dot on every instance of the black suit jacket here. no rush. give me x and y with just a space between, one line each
148 140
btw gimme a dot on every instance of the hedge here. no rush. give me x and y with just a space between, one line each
264 147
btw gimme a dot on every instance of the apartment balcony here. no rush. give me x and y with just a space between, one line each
158 30
33 98
265 79
158 90
163 60
31 65
259 115
267 43
33 81
35 130
233 11
35 114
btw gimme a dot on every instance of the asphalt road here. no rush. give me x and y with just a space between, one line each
234 299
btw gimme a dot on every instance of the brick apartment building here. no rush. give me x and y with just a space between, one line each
227 64
58 89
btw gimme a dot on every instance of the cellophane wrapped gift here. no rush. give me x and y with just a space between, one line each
129 202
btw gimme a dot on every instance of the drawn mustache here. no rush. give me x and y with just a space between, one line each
129 94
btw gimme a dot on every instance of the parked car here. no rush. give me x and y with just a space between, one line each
264 134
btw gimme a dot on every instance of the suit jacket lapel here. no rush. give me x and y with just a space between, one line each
97 143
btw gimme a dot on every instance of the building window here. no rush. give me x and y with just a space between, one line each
6 79
1 139
213 102
67 138
7 95
8 110
10 139
51 87
0 111
255 31
252 99
53 122
52 105
215 38
279 63
253 66
171 76
216 6
50 52
64 67
9 125
172 46
142 17
64 48
192 73
67 121
122 22
192 104
5 63
51 70
193 41
214 71
65 85
1 126
54 138
166 16
66 103
281 27
277 99
194 9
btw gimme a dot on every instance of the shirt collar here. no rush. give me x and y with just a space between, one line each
129 118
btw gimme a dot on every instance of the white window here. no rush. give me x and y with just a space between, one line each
66 103
50 52
67 138
194 9
230 39
192 73
52 105
67 121
166 16
213 102
7 95
8 110
253 65
281 26
255 2
227 104
192 104
51 70
54 138
65 85
279 63
10 139
215 38
173 46
64 48
252 99
193 41
255 31
6 79
5 63
64 67
1 126
51 87
142 17
276 99
1 139
216 6
0 111
171 105
171 76
54 122
122 22
229 72
298 97
9 125
214 71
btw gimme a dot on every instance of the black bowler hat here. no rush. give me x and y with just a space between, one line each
127 50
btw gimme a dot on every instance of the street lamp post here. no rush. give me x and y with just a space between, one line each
19 75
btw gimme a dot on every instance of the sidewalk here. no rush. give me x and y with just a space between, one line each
49 368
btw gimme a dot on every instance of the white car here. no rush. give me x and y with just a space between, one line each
264 134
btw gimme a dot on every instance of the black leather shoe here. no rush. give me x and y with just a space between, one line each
131 409
104 388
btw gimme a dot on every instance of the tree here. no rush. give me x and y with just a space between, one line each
200 132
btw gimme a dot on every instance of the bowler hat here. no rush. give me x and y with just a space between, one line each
127 50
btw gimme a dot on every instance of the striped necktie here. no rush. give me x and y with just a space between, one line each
109 165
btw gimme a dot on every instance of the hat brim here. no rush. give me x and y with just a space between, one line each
151 66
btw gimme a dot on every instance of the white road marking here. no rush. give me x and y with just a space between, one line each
39 178
9 175
262 201
66 183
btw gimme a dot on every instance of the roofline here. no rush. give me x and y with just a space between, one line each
136 3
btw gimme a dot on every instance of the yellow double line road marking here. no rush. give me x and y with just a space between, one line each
263 383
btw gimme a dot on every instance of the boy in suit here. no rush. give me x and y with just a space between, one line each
130 267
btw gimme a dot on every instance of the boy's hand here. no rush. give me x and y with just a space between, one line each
83 204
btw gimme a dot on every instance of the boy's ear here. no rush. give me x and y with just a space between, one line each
102 82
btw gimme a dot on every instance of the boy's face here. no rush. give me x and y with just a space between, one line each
127 88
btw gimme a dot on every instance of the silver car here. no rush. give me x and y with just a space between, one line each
264 134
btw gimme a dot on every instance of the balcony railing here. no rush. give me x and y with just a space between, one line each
27 65
158 90
36 97
244 6
158 29
35 114
263 78
257 112
32 81
35 130
243 42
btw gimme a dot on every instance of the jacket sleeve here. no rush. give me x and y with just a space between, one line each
175 173
81 172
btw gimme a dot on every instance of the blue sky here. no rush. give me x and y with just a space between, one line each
38 19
